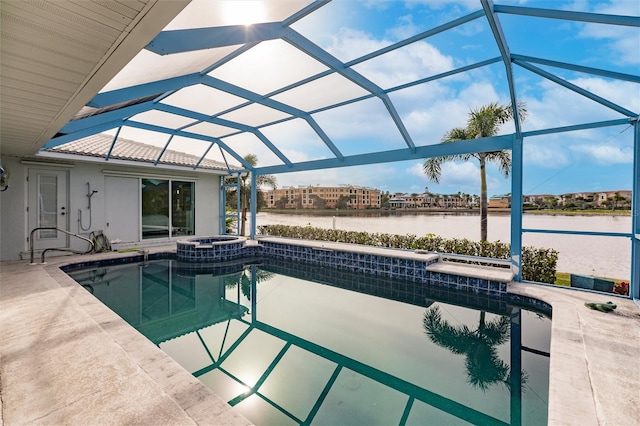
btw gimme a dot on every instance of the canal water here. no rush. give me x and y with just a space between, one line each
580 254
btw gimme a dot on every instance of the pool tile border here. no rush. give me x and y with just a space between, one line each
381 262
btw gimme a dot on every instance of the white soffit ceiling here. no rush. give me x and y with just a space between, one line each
56 55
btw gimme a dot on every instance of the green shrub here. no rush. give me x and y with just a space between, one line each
538 264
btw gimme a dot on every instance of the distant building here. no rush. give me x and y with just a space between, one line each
314 197
582 200
537 198
440 201
499 202
614 197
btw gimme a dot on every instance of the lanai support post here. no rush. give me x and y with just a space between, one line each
634 287
515 379
254 204
222 204
516 208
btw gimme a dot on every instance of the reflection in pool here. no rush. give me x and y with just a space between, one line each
296 344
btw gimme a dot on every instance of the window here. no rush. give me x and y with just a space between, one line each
167 208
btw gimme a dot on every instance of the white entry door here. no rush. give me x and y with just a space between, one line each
48 207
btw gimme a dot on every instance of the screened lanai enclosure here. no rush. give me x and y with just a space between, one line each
322 85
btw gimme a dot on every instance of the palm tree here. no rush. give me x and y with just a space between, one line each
484 366
483 122
245 188
244 279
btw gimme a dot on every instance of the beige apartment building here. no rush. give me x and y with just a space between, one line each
314 197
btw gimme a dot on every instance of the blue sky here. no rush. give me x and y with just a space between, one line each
577 161
588 160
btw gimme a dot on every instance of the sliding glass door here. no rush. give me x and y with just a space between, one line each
167 208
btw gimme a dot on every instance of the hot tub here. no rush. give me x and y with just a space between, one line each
210 249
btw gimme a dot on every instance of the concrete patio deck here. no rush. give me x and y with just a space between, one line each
67 359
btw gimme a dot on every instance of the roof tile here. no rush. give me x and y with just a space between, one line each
126 149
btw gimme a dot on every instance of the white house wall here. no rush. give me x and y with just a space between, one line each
13 216
14 225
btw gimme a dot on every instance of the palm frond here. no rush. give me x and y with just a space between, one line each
444 335
432 168
267 180
502 159
251 159
457 134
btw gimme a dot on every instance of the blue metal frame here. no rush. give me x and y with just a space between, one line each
496 28
569 15
253 203
634 288
300 42
575 88
516 208
146 97
495 143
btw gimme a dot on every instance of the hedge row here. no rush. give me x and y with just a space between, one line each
538 264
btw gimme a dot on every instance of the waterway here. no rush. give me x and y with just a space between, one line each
581 254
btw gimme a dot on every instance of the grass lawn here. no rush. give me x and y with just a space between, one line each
564 279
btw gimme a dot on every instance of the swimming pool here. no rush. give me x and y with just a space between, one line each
287 343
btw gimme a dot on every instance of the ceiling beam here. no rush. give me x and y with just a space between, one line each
596 125
98 119
307 46
580 68
425 34
598 18
139 91
271 103
182 133
222 122
576 89
496 143
498 34
189 40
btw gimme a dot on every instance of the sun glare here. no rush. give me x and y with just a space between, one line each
244 12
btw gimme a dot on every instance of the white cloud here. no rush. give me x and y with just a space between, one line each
457 4
618 92
368 119
415 61
554 106
416 170
546 153
381 176
405 29
456 176
409 63
429 119
604 154
464 174
623 42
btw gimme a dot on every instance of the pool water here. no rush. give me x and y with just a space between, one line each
289 344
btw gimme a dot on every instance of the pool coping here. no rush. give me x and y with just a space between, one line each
593 379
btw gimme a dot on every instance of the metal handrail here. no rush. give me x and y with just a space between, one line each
92 246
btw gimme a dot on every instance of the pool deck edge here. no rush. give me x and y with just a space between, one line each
68 359
593 374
